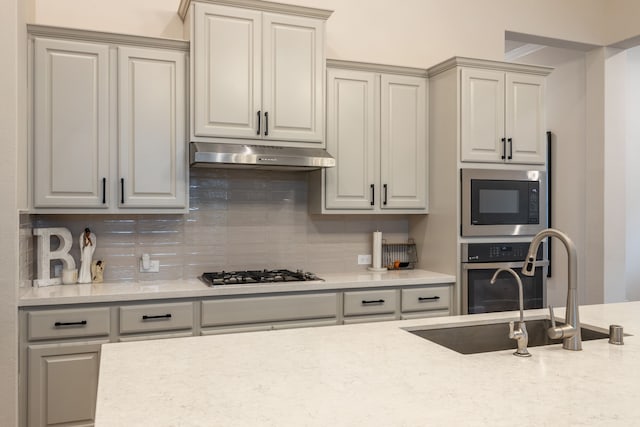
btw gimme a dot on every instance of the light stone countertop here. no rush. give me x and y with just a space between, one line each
193 288
374 374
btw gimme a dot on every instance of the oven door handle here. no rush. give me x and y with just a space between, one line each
496 265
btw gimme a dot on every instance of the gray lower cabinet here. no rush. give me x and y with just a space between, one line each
428 301
60 345
61 352
63 382
243 314
374 305
155 321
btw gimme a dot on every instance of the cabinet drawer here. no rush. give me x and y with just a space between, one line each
156 317
369 302
229 311
428 298
81 322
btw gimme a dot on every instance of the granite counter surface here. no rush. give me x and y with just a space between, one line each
375 374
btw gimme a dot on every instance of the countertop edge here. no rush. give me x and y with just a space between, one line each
194 288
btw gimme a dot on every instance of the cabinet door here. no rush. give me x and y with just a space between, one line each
525 128
403 142
357 303
428 298
293 79
226 53
482 116
352 138
156 317
63 383
152 140
71 124
239 311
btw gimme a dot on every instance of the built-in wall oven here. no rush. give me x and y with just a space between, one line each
479 263
498 202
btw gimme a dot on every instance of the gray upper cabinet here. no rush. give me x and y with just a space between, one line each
71 123
502 115
265 86
377 130
108 123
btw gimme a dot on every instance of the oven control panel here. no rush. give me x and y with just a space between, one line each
497 252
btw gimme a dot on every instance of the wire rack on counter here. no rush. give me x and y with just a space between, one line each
399 256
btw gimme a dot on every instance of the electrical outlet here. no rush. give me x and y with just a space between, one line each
364 259
154 266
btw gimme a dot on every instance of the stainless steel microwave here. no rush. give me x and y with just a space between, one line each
503 202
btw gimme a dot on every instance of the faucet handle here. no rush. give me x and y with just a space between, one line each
553 319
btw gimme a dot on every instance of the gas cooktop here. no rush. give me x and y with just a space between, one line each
256 276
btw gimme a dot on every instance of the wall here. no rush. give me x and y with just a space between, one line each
238 220
632 159
12 130
416 33
566 118
423 32
615 212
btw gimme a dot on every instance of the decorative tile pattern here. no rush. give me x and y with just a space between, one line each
238 219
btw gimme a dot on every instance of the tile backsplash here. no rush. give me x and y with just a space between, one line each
238 219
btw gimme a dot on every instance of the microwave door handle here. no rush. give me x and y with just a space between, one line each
504 148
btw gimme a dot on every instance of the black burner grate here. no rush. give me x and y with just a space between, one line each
256 276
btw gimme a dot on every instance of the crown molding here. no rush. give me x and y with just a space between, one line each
379 68
458 61
105 37
265 6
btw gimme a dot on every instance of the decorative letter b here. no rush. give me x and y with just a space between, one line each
45 254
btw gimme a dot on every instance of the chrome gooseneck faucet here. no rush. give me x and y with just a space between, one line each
520 334
570 332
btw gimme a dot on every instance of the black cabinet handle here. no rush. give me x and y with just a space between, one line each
80 323
373 194
160 316
258 132
104 191
504 148
436 298
510 140
376 301
122 191
384 201
266 123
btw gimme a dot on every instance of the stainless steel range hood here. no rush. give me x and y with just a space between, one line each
219 155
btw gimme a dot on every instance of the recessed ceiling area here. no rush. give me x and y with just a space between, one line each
517 45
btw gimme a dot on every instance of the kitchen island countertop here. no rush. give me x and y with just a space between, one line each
375 374
195 288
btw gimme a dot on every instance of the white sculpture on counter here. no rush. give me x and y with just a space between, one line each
87 248
45 255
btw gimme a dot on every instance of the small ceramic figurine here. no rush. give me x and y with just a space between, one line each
97 271
87 248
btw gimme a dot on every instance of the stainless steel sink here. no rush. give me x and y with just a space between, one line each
482 338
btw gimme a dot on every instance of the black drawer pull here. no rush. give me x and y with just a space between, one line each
436 298
80 323
160 316
376 301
